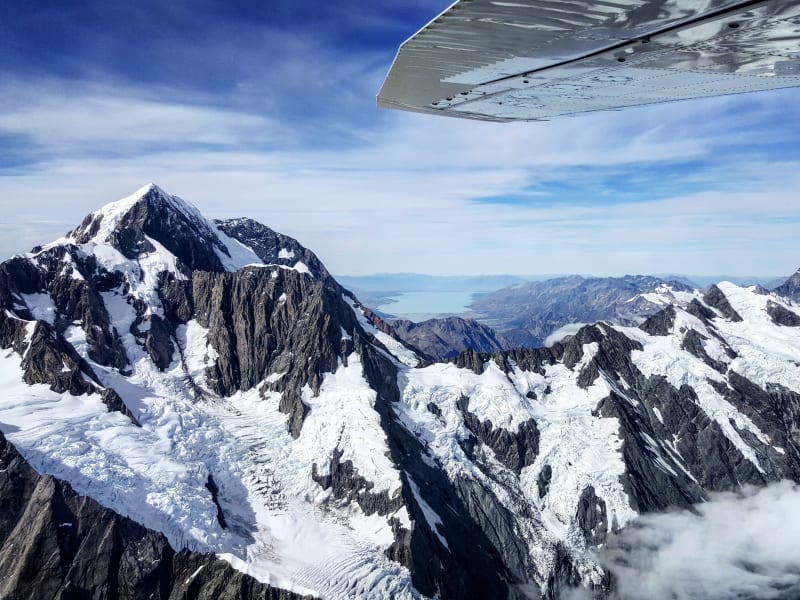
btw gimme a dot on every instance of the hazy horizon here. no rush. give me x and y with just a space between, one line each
542 276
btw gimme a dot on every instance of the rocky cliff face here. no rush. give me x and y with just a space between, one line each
211 382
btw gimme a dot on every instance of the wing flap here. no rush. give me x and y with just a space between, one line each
528 59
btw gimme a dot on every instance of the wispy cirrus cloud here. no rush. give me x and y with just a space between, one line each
273 116
97 121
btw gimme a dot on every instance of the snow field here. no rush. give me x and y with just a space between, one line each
581 449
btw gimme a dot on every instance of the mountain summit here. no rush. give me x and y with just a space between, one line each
791 287
211 382
151 223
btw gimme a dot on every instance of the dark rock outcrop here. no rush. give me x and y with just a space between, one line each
790 288
543 480
515 450
693 343
565 575
176 298
114 403
264 321
212 487
275 248
715 298
648 487
700 310
47 358
158 341
591 517
346 484
775 410
781 315
660 323
74 283
472 360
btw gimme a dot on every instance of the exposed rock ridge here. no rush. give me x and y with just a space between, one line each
165 219
73 283
515 450
484 556
46 356
790 288
346 484
781 315
715 298
275 248
264 321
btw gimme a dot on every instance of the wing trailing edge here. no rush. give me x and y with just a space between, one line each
536 60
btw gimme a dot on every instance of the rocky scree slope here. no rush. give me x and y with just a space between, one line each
210 381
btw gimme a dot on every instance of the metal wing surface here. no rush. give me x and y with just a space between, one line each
539 59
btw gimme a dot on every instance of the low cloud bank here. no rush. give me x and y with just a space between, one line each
562 332
743 545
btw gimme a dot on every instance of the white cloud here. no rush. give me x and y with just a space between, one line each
96 120
738 545
403 196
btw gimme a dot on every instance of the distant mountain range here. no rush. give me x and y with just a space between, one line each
539 308
526 310
415 282
525 314
449 336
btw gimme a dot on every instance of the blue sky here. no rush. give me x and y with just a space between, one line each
267 109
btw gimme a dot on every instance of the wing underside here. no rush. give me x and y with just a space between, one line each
540 59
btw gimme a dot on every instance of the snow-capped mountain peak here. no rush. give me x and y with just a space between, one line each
152 230
152 221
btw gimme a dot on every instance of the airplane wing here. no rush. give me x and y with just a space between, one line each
509 60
